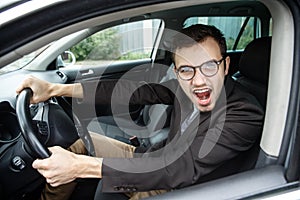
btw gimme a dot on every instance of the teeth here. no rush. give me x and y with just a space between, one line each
201 90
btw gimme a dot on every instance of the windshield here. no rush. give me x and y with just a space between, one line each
22 62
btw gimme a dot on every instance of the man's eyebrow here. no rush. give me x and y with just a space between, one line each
187 65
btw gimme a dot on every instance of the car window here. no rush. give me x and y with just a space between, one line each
130 41
271 27
238 31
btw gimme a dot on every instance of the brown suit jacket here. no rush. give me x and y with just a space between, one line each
215 144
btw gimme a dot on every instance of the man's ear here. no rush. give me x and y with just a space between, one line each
174 68
227 62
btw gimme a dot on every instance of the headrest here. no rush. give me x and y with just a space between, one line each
255 60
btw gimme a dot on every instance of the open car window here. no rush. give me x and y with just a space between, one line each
125 42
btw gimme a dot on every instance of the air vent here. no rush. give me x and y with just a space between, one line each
61 75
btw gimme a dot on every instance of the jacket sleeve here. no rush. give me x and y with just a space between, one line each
123 92
188 157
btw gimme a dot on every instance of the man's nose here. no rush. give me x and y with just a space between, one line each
199 78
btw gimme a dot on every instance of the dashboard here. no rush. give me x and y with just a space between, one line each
15 155
11 80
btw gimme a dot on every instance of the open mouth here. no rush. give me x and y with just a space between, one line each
203 96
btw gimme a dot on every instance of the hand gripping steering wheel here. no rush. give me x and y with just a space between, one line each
29 133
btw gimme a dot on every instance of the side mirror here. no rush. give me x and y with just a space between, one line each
67 58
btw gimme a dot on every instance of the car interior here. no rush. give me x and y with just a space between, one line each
256 63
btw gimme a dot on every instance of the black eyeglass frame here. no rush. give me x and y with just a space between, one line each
218 63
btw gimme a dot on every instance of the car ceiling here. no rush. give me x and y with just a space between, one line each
237 8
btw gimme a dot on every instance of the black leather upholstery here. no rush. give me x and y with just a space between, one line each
254 68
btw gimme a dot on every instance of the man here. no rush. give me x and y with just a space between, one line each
211 126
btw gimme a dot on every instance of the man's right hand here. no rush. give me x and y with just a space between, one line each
42 90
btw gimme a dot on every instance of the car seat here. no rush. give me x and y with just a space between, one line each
253 74
153 118
254 68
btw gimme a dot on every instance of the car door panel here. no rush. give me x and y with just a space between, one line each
134 70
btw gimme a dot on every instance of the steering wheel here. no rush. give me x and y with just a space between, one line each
25 122
56 134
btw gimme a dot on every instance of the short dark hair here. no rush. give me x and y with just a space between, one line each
198 33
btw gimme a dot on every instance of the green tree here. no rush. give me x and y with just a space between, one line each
103 45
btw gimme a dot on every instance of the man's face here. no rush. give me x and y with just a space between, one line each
203 91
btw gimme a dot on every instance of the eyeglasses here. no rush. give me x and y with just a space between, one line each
208 69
